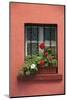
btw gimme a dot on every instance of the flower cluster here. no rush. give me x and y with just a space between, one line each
49 58
45 58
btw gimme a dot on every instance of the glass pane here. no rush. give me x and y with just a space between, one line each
34 48
53 43
28 48
47 33
40 34
34 33
53 36
53 33
28 32
47 36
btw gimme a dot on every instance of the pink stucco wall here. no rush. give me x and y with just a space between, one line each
31 13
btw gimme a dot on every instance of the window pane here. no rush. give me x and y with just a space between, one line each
53 33
28 49
53 43
34 48
31 47
28 32
53 36
34 33
47 36
47 33
40 34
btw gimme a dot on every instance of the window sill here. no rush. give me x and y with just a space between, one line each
43 77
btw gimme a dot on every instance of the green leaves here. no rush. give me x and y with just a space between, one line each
46 62
31 63
49 50
54 62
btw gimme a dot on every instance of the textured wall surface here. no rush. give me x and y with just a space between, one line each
31 13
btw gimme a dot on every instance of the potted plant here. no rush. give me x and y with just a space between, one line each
44 63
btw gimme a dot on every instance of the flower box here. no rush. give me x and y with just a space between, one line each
48 70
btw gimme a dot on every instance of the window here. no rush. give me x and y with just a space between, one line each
36 34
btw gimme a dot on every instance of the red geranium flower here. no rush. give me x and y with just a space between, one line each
42 62
42 45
